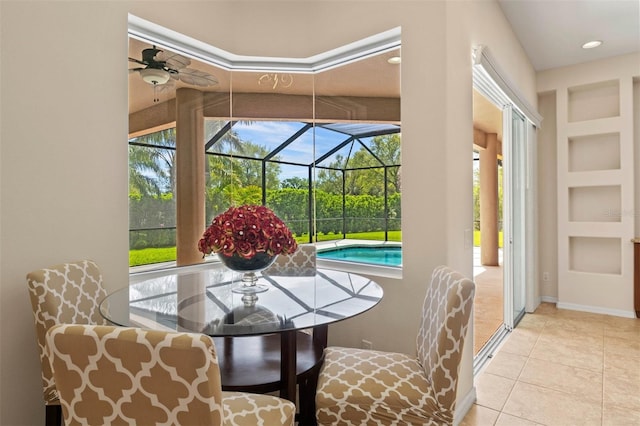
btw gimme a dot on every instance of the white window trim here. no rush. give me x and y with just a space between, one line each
487 75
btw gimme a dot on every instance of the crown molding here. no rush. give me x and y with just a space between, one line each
149 32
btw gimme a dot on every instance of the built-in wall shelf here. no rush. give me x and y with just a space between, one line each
595 193
600 151
597 178
586 255
593 101
584 199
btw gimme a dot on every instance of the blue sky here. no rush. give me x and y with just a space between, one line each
270 134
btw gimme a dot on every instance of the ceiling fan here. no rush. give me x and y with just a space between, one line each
163 68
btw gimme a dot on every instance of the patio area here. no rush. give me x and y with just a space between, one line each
489 301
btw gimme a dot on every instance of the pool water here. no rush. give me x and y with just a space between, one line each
385 256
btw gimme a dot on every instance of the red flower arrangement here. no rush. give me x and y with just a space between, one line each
246 231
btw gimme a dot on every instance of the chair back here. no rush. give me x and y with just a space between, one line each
445 319
65 293
301 263
126 375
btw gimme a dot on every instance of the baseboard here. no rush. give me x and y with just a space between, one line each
587 308
464 405
596 310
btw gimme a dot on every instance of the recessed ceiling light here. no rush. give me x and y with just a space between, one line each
592 44
394 60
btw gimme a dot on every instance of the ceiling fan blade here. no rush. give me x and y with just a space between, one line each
131 70
167 87
137 61
197 77
173 60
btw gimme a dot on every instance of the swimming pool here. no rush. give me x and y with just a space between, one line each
376 255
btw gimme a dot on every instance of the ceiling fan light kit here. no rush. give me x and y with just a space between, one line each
154 76
160 67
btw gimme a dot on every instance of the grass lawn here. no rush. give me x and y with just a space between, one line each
167 254
151 255
378 236
476 239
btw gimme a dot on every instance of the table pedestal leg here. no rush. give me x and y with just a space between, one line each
288 365
320 335
308 386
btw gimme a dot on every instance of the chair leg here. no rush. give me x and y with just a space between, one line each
53 415
307 399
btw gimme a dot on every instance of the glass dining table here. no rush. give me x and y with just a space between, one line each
267 341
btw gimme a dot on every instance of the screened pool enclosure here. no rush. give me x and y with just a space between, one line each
326 181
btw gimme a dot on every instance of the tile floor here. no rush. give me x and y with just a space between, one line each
564 368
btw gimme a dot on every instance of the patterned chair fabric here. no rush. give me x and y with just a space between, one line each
359 386
127 375
60 294
302 262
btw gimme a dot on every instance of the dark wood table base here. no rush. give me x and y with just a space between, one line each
253 364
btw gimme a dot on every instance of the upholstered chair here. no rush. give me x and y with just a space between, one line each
64 293
369 387
301 263
128 375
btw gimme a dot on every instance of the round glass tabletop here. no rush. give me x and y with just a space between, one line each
203 300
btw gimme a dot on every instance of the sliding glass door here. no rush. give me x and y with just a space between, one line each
515 235
519 121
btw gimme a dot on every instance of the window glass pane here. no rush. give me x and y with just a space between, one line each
152 211
321 149
289 197
282 140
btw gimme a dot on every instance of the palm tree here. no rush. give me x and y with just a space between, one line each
151 166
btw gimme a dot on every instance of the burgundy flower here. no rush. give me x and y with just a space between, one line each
247 230
245 250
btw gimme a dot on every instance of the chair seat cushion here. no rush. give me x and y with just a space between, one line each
251 409
358 386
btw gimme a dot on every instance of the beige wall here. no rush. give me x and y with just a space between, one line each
63 152
63 167
547 197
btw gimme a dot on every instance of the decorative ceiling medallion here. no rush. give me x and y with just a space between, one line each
276 80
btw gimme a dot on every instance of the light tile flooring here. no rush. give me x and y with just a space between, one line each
564 368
